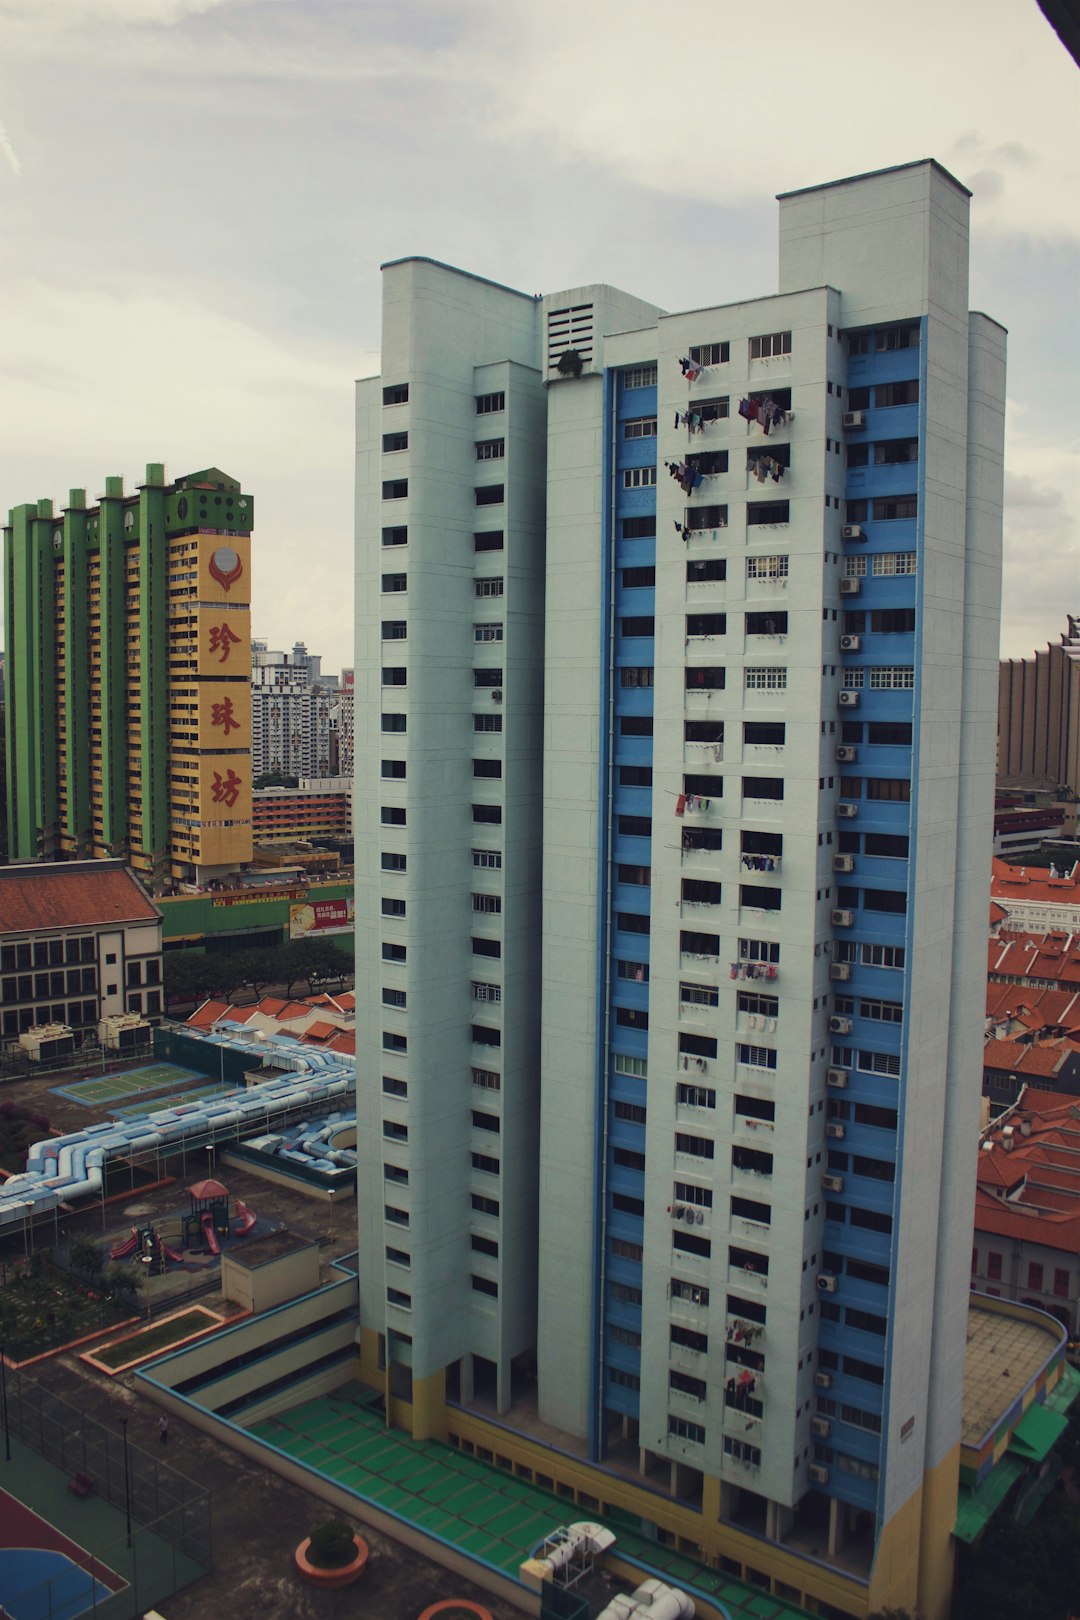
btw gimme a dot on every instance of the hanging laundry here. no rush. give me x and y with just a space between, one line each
680 804
748 409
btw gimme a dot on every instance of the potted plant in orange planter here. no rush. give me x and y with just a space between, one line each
333 1555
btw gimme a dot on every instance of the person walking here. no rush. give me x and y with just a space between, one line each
163 1429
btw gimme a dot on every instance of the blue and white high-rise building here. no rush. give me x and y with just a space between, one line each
677 635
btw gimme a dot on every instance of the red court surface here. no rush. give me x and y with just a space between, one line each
22 1528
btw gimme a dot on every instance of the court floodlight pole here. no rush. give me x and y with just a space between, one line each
3 1403
127 1479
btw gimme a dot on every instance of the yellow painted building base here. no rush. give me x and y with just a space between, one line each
913 1566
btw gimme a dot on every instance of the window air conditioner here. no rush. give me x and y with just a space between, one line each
854 419
840 970
852 531
850 643
835 1129
850 585
818 1474
823 1380
820 1425
839 1025
496 696
847 700
837 1078
832 1183
826 1282
846 755
847 810
843 863
842 918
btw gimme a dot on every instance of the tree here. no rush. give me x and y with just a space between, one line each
252 970
86 1256
1027 1572
275 779
189 976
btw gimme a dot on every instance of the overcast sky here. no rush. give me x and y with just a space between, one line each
197 195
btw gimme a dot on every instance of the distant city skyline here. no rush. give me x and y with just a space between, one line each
196 196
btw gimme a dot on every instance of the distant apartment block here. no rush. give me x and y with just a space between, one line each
291 704
1039 714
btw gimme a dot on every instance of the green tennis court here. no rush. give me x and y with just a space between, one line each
486 1512
173 1100
109 1088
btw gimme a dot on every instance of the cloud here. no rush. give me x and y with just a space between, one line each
1041 575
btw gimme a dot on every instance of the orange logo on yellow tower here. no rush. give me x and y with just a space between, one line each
225 566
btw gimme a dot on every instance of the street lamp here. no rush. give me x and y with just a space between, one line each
148 1262
3 1403
127 1479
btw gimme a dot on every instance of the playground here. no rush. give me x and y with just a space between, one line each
106 1089
203 1230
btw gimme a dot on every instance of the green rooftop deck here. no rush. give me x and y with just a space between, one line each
486 1513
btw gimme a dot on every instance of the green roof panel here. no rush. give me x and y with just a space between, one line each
975 1509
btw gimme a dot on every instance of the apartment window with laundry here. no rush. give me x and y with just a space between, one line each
770 346
490 495
488 404
709 462
640 427
710 354
490 449
712 410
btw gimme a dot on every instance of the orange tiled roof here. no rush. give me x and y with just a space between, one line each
1053 1231
1032 884
70 894
344 1041
206 1016
319 1031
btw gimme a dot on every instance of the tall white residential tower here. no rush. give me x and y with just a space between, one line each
677 652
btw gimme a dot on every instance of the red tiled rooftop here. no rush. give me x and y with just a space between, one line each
70 894
319 1031
1032 884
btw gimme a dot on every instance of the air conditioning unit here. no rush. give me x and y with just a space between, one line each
850 643
832 1183
852 531
850 585
818 1474
496 696
840 970
835 1130
837 1078
847 699
842 918
826 1282
846 755
823 1380
846 810
854 419
819 1425
843 863
839 1025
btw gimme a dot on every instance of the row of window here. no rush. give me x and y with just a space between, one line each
486 404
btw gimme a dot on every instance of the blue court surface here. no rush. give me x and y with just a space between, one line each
101 1090
39 1584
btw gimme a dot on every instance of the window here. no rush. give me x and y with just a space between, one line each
687 1192
767 512
690 1243
486 992
639 625
629 873
626 1380
748 1001
887 395
883 1012
393 908
394 441
699 995
711 354
399 1217
490 449
742 1451
627 1336
771 346
487 1079
635 725
892 677
631 1018
395 582
1061 1284
886 956
993 1266
487 632
391 861
488 404
488 676
484 1245
490 586
696 1147
766 680
639 377
394 676
640 427
755 1057
635 826
894 562
634 578
767 567
489 904
398 535
636 675
624 1294
396 394
487 722
887 1063
394 1043
896 506
491 495
488 540
393 953
485 1206
692 943
1035 1275
484 1161
893 621
694 1096
684 1384
490 768
892 452
484 1285
706 624
639 477
639 528
394 1296
483 1036
630 922
393 770
395 489
889 734
398 1257
894 789
754 1107
703 1046
486 947
855 567
692 1293
630 1114
485 1122
699 518
490 858
394 1172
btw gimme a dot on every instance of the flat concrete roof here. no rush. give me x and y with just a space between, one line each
1004 1354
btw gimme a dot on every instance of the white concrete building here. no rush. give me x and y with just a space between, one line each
676 811
291 707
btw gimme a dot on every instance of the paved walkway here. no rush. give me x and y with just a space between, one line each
486 1512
